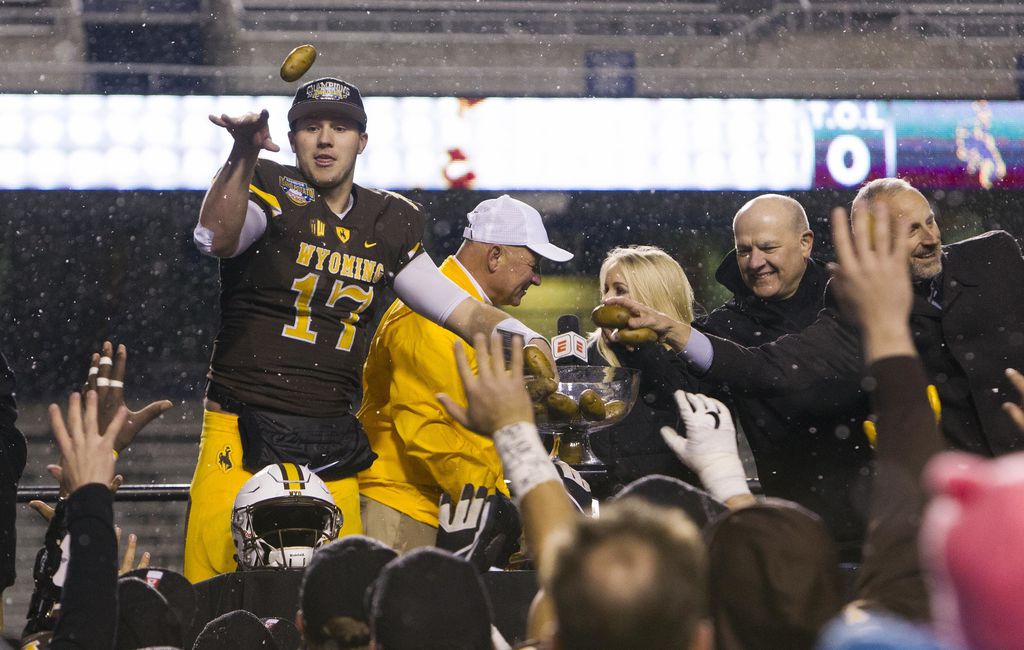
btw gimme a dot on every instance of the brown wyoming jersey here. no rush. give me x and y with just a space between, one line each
294 306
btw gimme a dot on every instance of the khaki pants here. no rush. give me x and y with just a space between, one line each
396 529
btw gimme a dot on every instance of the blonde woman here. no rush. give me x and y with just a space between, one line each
634 448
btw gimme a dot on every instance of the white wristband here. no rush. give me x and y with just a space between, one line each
523 457
511 327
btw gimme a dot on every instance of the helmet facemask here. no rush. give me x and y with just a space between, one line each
284 530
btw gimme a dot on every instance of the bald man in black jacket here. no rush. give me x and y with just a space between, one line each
967 322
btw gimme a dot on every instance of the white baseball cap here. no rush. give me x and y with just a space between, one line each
509 222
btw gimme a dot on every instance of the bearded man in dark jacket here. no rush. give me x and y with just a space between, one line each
808 444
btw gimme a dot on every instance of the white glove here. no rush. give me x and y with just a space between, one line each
709 447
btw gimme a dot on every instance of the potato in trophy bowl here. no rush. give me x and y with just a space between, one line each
583 399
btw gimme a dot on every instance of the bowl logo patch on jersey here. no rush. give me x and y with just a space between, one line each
297 192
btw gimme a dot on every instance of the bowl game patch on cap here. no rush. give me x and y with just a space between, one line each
328 97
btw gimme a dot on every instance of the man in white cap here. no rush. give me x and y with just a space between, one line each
422 452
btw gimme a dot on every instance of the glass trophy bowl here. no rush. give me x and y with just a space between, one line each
568 439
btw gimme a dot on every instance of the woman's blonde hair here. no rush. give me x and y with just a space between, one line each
654 279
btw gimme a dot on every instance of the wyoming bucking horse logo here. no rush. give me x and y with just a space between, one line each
224 458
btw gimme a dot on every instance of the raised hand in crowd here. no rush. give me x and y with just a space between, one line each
106 377
496 396
872 278
1015 411
709 447
87 454
498 405
128 559
88 597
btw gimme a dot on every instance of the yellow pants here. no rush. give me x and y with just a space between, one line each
209 550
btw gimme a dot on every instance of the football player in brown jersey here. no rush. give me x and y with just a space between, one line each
303 252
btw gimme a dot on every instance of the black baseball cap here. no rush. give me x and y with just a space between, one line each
335 583
174 587
331 96
430 599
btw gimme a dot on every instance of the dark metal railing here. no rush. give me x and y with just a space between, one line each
156 492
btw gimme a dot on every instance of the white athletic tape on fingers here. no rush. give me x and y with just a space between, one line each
114 383
93 370
106 361
102 381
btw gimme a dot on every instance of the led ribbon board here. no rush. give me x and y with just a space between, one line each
167 143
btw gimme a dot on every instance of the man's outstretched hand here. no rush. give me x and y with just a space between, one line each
251 131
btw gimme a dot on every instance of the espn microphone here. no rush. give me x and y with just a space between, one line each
568 346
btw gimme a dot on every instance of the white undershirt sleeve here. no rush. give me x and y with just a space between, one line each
422 286
253 228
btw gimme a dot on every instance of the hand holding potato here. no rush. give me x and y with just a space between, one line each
617 317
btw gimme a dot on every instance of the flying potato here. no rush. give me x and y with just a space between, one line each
298 62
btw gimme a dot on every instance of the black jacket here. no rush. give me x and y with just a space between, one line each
12 464
88 604
634 448
965 346
808 444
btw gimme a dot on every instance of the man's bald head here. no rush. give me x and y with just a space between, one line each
773 243
782 210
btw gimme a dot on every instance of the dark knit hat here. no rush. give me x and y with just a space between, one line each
333 594
237 630
174 587
286 635
670 492
430 600
774 574
144 619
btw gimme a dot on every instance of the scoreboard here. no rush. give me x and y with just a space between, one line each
165 142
